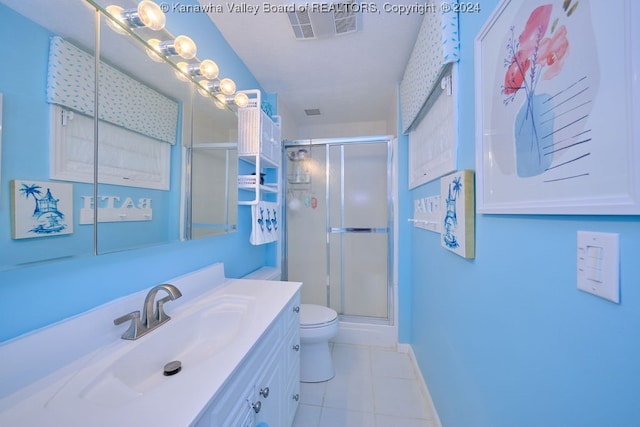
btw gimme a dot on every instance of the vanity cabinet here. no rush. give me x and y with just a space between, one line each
265 387
259 145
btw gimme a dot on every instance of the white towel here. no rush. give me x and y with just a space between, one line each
265 223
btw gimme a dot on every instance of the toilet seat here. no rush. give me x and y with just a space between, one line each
316 316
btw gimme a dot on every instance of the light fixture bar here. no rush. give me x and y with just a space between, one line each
148 14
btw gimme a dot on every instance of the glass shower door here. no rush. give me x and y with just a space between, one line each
338 222
358 229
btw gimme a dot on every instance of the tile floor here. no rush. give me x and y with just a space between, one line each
373 387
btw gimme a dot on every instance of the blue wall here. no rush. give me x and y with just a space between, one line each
39 295
507 339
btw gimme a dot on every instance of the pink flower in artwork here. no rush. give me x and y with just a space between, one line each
535 28
515 75
553 52
532 53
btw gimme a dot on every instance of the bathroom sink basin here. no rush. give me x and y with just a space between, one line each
190 337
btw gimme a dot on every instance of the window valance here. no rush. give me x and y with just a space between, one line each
124 101
436 46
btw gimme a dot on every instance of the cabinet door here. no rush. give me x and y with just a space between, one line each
269 392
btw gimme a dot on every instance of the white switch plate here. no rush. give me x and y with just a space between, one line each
599 264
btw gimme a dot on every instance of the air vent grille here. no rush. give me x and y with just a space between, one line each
312 111
319 20
344 18
301 24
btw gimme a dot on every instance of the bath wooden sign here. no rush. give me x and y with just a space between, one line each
116 209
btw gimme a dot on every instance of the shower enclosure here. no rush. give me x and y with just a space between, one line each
339 221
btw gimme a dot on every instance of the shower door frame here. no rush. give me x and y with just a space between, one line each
327 142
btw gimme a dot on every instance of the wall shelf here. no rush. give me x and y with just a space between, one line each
259 145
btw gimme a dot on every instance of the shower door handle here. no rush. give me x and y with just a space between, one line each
358 230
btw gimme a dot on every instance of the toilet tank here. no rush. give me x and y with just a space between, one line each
264 273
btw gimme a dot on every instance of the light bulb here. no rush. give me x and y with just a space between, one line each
241 99
150 15
116 13
221 101
209 69
155 51
227 86
204 87
184 67
147 14
185 47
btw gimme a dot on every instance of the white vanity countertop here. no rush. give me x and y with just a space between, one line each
54 400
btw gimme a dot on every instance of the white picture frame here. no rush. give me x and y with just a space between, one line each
578 59
457 213
41 209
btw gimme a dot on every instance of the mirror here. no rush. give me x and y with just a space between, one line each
214 160
26 224
130 215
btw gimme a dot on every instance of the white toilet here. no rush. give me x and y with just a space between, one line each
318 324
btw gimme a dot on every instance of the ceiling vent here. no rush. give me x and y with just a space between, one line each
312 111
320 20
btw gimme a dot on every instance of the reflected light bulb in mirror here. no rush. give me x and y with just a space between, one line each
204 87
241 99
209 69
227 86
155 51
116 13
184 67
150 15
185 47
221 101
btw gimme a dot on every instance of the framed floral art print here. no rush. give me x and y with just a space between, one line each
556 108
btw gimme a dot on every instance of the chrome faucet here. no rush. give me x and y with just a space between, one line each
150 319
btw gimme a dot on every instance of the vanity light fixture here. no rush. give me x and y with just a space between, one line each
241 99
225 86
205 87
222 99
181 46
207 69
147 14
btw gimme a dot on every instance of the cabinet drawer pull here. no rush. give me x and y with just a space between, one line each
264 392
296 397
296 347
296 309
257 406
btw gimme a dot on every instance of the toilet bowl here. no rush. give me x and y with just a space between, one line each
318 324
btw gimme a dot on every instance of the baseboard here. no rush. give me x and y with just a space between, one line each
366 334
406 348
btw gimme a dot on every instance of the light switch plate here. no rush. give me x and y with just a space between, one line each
599 264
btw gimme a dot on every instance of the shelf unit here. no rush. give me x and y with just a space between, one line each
260 146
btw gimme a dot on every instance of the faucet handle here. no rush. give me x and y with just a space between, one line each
135 326
161 316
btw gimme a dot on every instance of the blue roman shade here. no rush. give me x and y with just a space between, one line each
124 101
